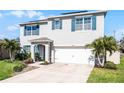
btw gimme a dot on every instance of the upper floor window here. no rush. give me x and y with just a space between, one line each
79 24
35 30
87 23
57 24
84 23
31 30
27 30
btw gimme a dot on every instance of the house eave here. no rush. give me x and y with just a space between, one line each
79 14
64 16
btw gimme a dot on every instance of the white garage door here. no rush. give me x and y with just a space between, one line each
73 56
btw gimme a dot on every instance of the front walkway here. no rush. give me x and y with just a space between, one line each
54 73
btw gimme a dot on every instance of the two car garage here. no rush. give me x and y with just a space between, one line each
73 55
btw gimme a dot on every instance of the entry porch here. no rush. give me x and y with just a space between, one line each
42 49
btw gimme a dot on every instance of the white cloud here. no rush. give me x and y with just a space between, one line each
12 27
32 13
18 13
29 14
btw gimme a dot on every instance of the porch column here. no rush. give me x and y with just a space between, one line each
47 52
32 52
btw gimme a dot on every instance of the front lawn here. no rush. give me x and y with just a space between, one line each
6 68
102 75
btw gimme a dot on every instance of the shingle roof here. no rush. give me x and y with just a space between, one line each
74 12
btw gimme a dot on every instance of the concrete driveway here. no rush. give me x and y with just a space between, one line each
54 73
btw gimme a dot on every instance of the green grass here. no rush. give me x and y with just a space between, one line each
6 68
102 75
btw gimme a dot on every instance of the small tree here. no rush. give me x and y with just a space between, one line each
12 46
102 46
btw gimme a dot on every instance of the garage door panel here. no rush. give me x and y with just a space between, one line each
72 55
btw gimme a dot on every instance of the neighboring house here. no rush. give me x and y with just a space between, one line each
62 38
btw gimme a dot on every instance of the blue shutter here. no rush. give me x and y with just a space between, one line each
52 24
73 24
37 29
37 26
25 30
60 23
93 22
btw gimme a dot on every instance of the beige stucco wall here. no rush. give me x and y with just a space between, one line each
65 37
115 57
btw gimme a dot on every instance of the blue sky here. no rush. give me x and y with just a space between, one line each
9 21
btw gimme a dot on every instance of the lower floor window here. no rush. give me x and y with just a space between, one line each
27 48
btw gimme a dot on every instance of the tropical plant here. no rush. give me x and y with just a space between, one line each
12 46
110 45
102 46
22 55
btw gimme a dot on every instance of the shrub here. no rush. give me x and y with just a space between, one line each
110 65
28 61
17 68
24 65
8 61
22 55
38 58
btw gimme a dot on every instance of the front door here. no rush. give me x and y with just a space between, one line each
42 52
39 52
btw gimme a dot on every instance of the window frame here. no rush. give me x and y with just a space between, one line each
88 23
34 30
57 26
31 30
79 24
83 23
27 31
25 47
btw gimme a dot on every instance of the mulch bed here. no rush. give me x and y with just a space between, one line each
28 68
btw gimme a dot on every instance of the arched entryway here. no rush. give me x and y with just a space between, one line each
42 49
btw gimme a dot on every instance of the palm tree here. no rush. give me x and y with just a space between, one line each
102 46
98 48
12 46
110 46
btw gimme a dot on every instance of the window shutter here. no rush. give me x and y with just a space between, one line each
37 26
60 23
53 25
25 31
37 29
73 24
94 23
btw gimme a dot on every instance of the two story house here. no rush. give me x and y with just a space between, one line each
62 38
